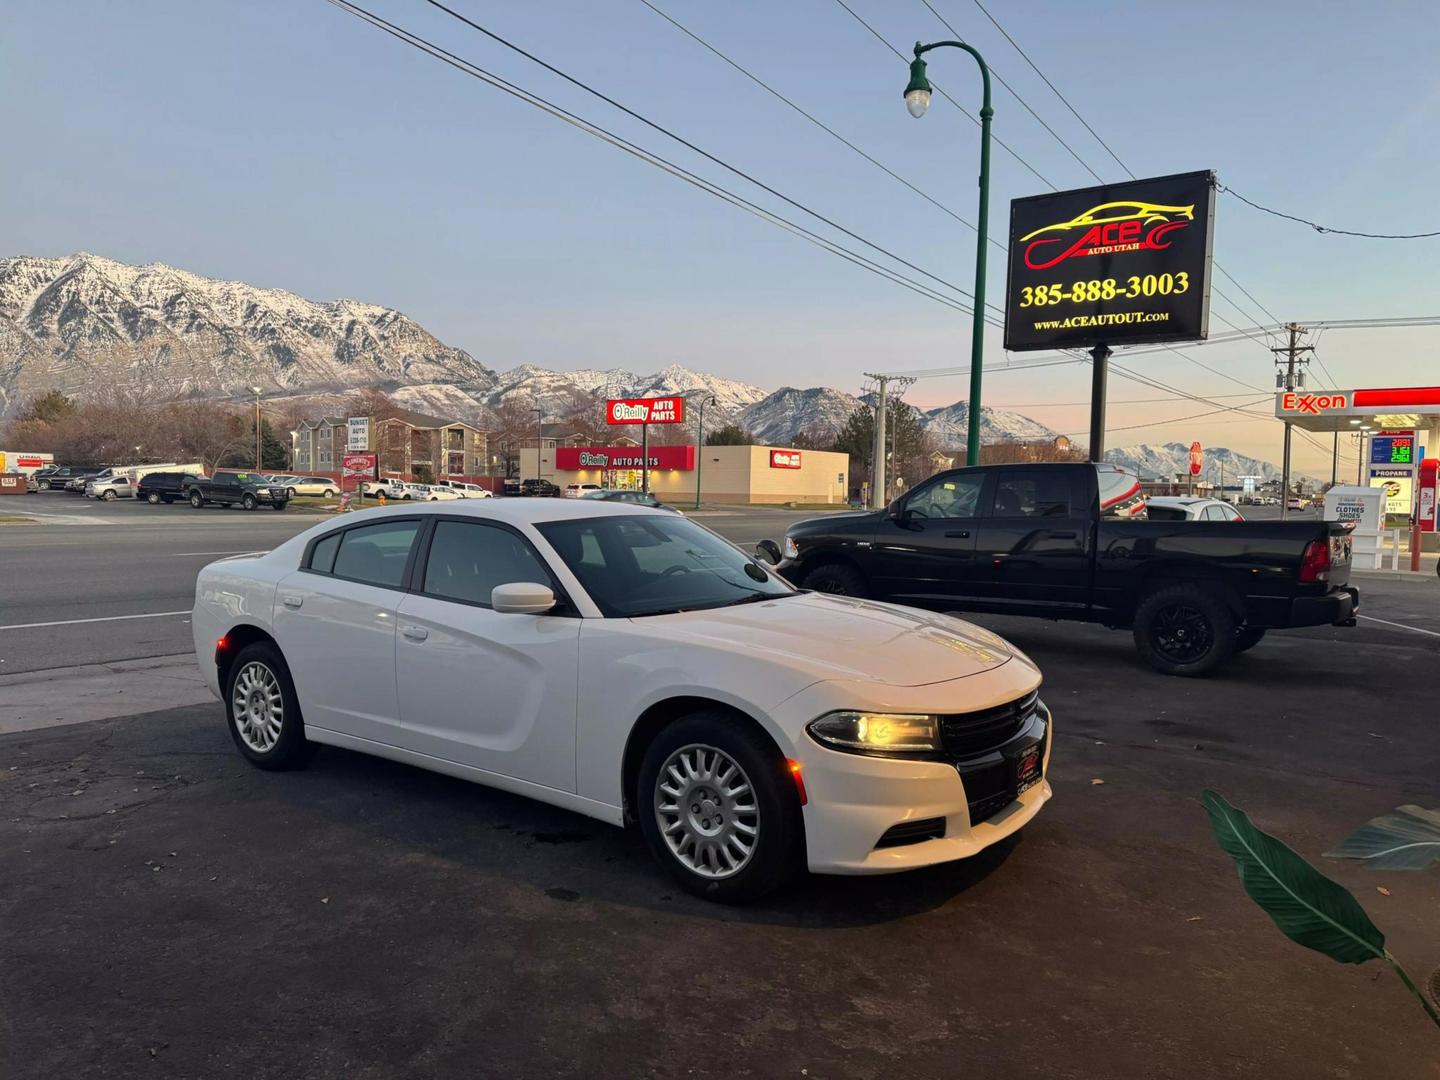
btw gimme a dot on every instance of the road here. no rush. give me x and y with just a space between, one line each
170 911
129 564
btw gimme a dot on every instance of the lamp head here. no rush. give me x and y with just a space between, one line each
917 93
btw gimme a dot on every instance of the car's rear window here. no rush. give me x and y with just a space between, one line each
1164 513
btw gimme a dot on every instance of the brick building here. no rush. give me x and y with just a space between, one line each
410 444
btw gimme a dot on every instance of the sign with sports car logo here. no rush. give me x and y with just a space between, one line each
1119 264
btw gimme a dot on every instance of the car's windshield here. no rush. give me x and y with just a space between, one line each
655 564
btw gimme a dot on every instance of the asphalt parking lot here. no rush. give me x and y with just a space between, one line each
169 911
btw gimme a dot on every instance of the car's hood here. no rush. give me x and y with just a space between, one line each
837 637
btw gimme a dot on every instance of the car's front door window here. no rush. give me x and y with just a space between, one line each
952 497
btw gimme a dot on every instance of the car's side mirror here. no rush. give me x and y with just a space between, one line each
768 551
896 510
522 598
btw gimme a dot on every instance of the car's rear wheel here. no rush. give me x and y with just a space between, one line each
329 493
44 485
109 496
1184 629
1247 637
196 500
248 501
263 711
153 498
718 808
291 493
837 578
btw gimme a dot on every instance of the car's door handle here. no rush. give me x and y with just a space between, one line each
958 534
415 633
1068 534
292 601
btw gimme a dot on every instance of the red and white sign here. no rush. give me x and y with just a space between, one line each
659 410
574 458
1313 404
784 459
1197 459
358 464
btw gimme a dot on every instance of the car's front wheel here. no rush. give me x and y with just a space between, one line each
153 498
109 496
836 578
263 711
280 504
718 807
44 485
1184 629
196 500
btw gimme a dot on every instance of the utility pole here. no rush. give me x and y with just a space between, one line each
1334 458
707 399
539 439
256 389
877 473
1291 351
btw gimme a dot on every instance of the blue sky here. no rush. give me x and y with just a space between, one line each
284 143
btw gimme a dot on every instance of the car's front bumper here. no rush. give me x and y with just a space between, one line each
855 800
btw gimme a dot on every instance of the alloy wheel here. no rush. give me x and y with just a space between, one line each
706 809
1181 633
258 707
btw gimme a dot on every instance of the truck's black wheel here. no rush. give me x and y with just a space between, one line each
248 501
1247 637
837 578
1184 629
196 500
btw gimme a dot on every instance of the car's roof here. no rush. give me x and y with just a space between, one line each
527 510
1180 500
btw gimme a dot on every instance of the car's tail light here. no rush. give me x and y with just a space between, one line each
1315 562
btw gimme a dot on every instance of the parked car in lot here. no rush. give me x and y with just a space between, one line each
390 488
1186 508
630 665
166 487
541 488
624 495
1062 541
112 487
430 493
308 485
61 475
466 491
577 491
236 488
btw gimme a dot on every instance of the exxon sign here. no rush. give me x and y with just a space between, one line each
659 410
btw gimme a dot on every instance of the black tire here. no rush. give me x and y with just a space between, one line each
109 496
839 579
778 850
1247 637
329 493
281 504
1185 629
196 500
291 493
153 498
291 749
248 501
44 485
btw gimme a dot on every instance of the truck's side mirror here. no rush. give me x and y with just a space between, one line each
768 551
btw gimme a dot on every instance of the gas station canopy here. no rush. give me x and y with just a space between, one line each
1396 408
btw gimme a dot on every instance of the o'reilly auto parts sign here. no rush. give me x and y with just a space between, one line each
1119 264
660 410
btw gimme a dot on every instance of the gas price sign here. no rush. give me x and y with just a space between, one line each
1118 264
1392 450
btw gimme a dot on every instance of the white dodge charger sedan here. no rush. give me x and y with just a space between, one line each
629 664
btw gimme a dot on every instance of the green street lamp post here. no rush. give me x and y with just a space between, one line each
917 100
708 399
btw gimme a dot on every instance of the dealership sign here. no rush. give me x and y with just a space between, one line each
357 430
660 410
358 464
1118 264
784 459
574 458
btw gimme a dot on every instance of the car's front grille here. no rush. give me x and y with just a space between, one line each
971 734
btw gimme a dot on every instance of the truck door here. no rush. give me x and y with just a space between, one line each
924 552
1033 547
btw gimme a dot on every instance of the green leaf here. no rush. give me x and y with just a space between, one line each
1407 839
1308 907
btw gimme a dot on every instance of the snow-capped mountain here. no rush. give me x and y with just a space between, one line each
779 417
84 323
1164 461
950 423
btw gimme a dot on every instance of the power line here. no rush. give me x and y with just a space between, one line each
648 157
1109 401
1013 93
580 84
812 118
1327 228
994 138
1158 423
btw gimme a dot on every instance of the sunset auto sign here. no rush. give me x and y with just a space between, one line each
1118 264
660 410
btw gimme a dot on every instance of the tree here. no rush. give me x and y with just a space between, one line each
583 414
514 423
371 402
730 435
274 454
50 408
909 446
205 432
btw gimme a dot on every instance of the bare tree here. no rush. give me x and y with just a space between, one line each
514 424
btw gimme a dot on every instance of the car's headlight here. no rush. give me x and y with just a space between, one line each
890 733
790 550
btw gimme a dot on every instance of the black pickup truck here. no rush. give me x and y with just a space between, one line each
248 489
1071 541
